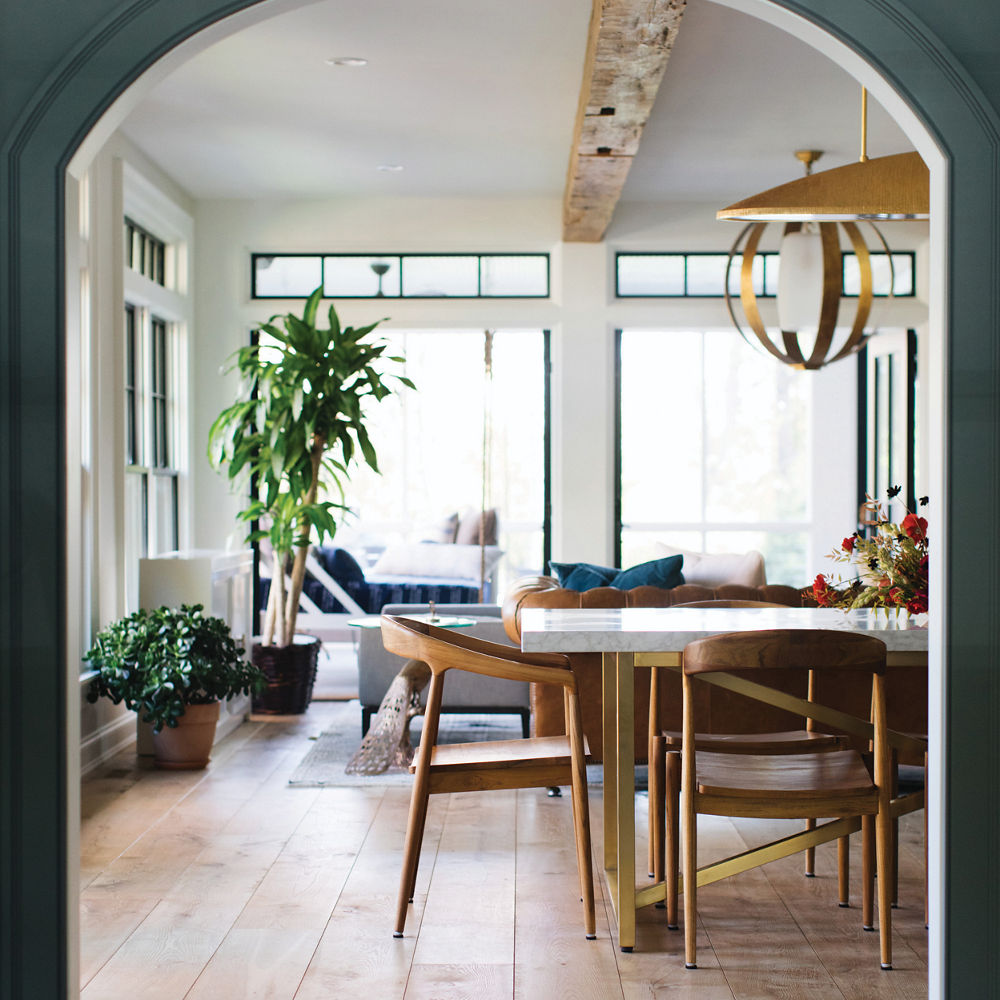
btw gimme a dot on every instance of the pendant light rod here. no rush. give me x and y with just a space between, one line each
864 126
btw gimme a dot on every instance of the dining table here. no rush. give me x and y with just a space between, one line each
628 638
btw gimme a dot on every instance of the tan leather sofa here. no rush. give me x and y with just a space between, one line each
545 592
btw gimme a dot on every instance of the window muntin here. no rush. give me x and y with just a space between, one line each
737 476
347 276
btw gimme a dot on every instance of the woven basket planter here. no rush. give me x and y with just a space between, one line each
290 672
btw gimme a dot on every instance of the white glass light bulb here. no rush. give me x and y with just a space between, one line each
800 281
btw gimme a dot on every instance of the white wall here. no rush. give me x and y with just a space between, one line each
119 179
582 315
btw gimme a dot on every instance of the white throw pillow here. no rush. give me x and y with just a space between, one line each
427 560
715 569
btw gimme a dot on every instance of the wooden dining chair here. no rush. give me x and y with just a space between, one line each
521 763
735 725
836 783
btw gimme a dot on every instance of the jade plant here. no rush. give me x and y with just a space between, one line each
295 429
159 662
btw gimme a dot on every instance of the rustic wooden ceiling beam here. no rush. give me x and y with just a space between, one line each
628 45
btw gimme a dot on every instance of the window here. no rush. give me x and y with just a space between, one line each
361 276
151 476
714 450
144 253
703 275
430 446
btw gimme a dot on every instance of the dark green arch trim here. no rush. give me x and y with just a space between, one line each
81 57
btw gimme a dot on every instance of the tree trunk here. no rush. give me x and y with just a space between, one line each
267 634
299 566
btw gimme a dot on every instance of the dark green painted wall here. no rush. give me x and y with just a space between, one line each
61 63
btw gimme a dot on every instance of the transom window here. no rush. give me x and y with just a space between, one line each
371 276
703 275
145 253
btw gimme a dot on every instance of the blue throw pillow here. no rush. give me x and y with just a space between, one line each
340 564
665 573
582 576
586 577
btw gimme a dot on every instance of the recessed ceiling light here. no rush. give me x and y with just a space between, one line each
390 168
354 61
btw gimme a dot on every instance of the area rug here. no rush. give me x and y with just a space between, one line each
323 766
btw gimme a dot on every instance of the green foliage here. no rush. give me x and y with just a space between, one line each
158 662
298 422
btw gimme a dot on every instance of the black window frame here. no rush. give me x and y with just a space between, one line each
765 256
401 258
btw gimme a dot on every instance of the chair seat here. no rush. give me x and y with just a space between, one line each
837 774
781 743
549 750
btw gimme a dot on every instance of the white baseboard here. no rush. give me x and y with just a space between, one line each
106 742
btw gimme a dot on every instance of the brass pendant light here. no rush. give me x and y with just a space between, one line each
812 208
888 187
829 283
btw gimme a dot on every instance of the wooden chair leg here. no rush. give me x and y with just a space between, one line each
690 835
657 806
668 851
810 853
581 816
883 848
894 887
411 850
655 793
844 870
868 873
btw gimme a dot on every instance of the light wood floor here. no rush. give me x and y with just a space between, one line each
229 884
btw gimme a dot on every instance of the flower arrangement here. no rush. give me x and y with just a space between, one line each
891 560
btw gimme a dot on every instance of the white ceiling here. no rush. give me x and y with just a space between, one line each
479 100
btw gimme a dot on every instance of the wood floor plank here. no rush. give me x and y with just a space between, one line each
460 982
552 955
468 917
357 954
266 953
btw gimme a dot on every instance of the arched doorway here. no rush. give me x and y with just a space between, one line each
83 64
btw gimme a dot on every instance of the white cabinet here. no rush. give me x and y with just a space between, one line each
223 583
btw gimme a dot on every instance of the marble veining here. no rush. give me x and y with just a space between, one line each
651 630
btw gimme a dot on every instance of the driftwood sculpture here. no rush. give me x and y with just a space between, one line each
387 742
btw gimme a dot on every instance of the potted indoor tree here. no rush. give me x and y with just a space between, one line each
172 666
294 431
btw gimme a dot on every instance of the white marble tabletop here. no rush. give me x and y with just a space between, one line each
665 630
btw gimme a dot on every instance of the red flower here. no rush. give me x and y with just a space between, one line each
895 596
917 605
821 591
848 544
915 527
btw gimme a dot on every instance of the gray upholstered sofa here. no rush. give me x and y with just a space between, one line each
463 693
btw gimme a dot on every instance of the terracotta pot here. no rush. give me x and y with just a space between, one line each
290 672
188 747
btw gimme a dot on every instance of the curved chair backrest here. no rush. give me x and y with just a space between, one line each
448 649
785 649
